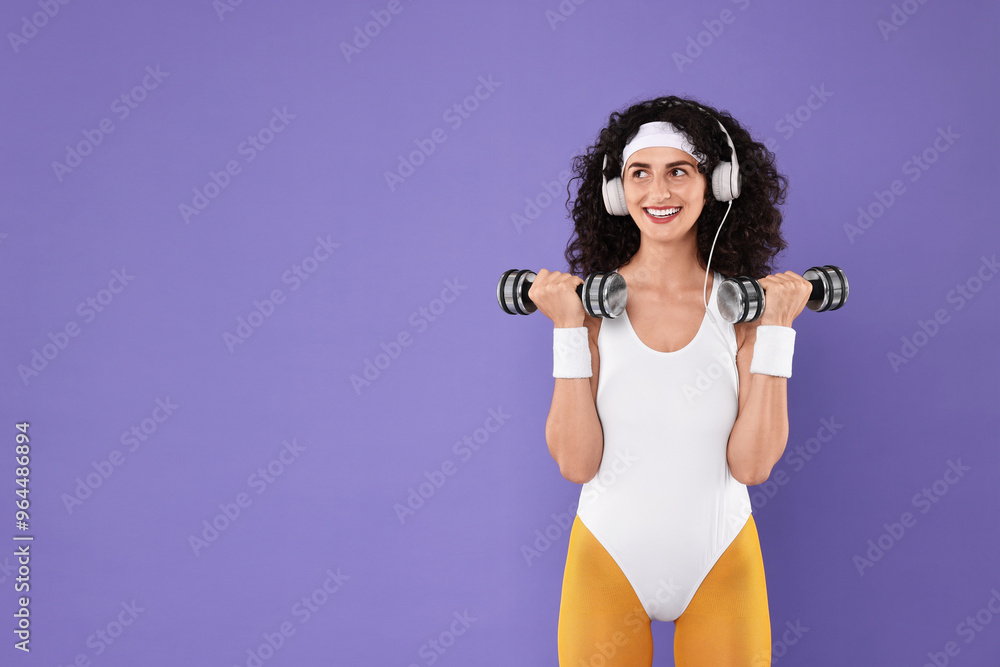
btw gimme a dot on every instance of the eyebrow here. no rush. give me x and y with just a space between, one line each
643 165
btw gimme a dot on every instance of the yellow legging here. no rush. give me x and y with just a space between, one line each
603 624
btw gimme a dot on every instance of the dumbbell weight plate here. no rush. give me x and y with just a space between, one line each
512 292
834 288
604 295
740 300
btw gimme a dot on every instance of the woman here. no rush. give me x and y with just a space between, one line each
667 412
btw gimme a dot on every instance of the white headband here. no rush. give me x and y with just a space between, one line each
659 134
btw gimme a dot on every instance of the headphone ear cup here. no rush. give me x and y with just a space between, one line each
726 182
614 197
722 182
614 194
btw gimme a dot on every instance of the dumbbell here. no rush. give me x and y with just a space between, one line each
603 294
742 299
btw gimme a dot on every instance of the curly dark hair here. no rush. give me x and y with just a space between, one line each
751 237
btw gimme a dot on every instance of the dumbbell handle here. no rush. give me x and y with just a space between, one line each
818 290
525 286
602 294
742 299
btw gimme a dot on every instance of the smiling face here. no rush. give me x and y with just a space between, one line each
664 192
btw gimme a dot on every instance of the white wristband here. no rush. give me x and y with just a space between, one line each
571 353
772 352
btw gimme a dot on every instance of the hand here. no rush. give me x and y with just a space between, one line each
555 295
786 296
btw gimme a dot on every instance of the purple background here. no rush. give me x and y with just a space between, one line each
464 215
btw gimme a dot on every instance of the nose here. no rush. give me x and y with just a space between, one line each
660 190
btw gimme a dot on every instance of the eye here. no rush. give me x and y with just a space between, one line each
678 172
639 173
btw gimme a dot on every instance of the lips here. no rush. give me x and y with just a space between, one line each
661 214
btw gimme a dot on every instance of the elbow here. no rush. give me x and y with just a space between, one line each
752 477
750 472
578 463
577 474
573 467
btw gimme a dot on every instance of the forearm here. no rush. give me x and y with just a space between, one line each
573 430
760 433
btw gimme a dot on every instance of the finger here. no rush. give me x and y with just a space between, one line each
779 280
769 281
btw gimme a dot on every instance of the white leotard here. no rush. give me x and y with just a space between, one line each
664 504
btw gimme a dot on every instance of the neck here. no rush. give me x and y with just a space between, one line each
673 267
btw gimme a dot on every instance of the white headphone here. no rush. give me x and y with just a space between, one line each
725 179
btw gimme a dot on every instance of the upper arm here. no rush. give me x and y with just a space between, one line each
746 336
593 325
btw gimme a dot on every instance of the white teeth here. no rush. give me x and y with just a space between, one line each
662 213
